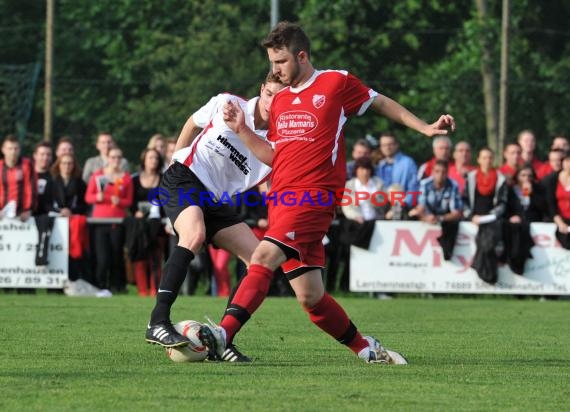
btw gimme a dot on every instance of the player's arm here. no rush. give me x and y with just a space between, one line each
188 134
235 119
398 113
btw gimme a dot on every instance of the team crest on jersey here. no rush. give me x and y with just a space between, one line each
318 101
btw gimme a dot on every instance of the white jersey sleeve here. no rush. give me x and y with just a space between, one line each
203 116
218 157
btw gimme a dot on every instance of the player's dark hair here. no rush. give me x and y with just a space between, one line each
288 36
271 78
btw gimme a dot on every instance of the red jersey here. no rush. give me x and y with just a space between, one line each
306 129
18 184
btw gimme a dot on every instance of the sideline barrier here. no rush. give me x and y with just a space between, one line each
406 257
18 243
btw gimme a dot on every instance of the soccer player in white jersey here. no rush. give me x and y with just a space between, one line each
305 147
209 158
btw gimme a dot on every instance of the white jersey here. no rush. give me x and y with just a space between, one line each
217 156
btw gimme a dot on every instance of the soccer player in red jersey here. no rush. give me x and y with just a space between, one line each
306 150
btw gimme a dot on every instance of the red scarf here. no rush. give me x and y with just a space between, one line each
429 167
486 182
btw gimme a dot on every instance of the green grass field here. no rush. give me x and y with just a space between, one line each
84 354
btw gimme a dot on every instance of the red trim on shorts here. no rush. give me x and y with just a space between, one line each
300 270
275 241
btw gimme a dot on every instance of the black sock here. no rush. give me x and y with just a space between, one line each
170 283
240 314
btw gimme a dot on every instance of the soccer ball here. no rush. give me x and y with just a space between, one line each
194 351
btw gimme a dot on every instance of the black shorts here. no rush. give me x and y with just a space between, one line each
179 179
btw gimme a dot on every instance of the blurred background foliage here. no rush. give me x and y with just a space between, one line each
139 67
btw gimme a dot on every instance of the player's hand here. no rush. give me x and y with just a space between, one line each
442 126
234 116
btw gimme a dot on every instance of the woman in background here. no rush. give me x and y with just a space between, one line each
110 191
68 193
557 187
526 199
360 215
148 269
158 143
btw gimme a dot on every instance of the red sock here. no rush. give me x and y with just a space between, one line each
328 315
249 295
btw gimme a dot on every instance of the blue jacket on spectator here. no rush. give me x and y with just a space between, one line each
404 172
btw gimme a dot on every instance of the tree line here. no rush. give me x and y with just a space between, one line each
137 67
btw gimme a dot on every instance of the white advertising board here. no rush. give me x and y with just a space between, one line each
406 257
18 245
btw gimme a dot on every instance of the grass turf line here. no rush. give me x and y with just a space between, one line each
85 354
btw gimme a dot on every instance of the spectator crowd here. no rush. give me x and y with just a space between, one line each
118 237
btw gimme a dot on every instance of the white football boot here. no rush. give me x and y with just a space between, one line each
379 354
213 336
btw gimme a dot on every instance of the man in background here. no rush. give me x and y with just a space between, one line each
360 150
103 144
396 167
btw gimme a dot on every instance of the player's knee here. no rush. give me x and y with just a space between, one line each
192 241
268 255
263 258
308 299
